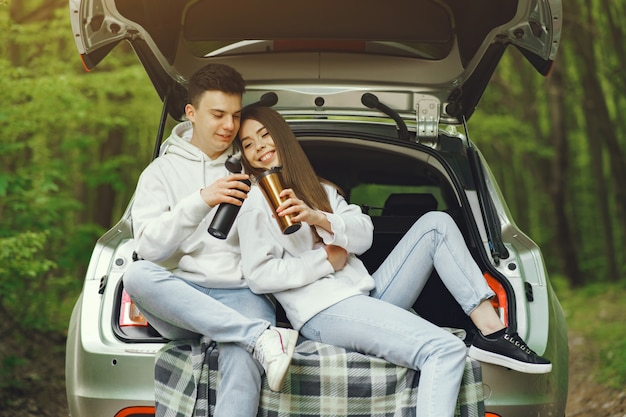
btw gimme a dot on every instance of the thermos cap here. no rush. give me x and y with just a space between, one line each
273 170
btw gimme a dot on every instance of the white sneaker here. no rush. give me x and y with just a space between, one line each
274 349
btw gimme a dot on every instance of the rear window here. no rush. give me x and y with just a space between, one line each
397 200
352 25
419 28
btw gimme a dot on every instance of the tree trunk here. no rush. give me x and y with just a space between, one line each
105 193
564 237
15 11
598 126
539 183
616 35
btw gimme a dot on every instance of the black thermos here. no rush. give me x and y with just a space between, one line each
226 212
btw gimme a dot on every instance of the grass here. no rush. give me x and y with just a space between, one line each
597 313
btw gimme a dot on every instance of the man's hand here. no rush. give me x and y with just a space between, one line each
229 189
337 256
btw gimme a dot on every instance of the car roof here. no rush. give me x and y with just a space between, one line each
445 49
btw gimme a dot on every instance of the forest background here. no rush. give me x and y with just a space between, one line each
72 145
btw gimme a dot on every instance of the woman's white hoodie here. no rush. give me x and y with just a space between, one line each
293 267
171 220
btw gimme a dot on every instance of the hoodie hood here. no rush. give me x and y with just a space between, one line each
179 143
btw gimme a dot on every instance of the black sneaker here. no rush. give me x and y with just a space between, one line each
509 350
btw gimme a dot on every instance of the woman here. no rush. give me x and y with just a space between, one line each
329 296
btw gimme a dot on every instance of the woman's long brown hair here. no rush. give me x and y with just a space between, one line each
297 171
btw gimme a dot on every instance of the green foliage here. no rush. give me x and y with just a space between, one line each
73 144
514 129
9 368
28 292
597 313
67 135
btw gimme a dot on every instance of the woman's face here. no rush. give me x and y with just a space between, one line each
258 145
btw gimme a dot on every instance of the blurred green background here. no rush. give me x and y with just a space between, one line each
72 145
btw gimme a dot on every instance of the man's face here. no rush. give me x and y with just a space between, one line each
215 121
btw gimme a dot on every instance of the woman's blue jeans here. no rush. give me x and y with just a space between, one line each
234 318
381 325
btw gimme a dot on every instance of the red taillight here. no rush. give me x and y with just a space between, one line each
129 313
136 412
499 302
85 66
488 414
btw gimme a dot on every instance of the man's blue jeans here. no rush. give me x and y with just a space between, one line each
234 318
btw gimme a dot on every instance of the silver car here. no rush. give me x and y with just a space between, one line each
379 94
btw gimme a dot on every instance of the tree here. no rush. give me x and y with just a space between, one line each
600 131
564 236
68 157
565 147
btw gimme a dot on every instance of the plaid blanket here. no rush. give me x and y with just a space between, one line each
323 380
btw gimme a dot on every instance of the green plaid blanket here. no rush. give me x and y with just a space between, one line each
323 380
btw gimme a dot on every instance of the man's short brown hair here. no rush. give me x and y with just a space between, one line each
217 77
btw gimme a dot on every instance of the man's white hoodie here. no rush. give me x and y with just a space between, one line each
171 220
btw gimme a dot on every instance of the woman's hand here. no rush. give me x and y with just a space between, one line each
337 256
300 212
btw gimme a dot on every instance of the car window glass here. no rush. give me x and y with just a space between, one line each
372 197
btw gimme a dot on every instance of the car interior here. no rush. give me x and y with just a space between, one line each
395 189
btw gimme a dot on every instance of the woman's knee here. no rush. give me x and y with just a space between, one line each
434 221
442 222
438 218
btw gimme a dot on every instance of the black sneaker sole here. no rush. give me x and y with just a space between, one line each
505 361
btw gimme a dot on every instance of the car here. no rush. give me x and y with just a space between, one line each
380 95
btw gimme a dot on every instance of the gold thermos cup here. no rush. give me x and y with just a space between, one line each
271 185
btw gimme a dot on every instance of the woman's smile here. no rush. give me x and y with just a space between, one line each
267 156
258 145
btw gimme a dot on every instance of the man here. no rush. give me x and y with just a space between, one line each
189 283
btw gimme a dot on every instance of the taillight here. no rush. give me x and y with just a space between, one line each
488 414
129 313
499 302
136 412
